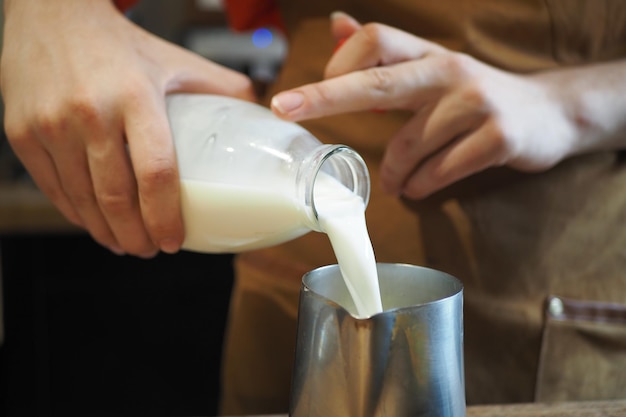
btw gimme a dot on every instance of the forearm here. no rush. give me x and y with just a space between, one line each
594 100
11 5
41 12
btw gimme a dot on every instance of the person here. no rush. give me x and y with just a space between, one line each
496 158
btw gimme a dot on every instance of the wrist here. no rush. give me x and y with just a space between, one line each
593 102
598 106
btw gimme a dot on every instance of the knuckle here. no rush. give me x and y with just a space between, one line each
380 79
158 172
438 174
159 229
55 120
18 134
324 94
133 91
456 64
116 202
372 34
81 200
50 123
86 108
473 97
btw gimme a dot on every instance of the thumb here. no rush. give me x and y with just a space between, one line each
194 74
343 25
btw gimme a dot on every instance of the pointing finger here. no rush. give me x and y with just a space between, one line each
407 85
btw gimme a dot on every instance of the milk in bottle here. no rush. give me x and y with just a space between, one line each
251 180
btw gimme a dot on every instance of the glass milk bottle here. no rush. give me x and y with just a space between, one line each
249 179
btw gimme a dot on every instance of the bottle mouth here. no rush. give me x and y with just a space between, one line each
343 164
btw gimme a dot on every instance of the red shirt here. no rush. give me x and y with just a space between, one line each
242 14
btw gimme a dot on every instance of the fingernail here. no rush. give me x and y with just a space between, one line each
339 14
287 102
117 250
169 245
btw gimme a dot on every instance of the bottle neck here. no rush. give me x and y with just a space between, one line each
340 162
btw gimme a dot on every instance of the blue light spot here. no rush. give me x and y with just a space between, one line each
262 38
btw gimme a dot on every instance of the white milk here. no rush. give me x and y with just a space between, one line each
228 218
342 217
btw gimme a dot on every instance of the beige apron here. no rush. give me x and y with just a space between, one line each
542 256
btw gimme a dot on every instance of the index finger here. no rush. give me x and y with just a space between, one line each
406 85
154 162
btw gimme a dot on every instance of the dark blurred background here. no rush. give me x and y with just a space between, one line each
85 332
91 333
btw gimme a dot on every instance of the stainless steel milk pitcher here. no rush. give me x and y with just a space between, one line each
406 361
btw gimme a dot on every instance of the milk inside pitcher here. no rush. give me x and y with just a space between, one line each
249 179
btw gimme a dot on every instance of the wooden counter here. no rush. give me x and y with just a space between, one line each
577 409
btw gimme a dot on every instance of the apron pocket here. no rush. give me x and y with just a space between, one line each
583 352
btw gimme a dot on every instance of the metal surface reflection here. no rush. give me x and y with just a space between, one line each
406 361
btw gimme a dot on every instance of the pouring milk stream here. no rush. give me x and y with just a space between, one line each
250 180
342 217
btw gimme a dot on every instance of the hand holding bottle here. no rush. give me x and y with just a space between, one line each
84 91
